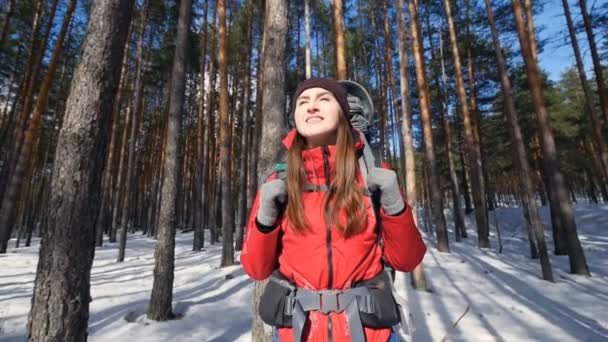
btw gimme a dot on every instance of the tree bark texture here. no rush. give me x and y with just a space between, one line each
429 149
341 71
578 264
273 107
160 307
532 215
472 149
60 302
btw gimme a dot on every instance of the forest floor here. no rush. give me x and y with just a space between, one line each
476 295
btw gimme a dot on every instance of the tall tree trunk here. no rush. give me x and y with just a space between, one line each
15 185
209 146
341 71
443 99
138 105
418 278
225 153
388 58
472 149
406 108
257 132
60 302
307 29
476 114
437 198
121 175
519 154
597 67
456 207
245 148
273 107
162 289
595 120
380 84
104 220
202 129
578 264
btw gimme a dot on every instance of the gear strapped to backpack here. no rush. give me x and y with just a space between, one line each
373 302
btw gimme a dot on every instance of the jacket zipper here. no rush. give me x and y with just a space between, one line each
328 240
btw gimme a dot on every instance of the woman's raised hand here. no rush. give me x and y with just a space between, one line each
273 195
386 181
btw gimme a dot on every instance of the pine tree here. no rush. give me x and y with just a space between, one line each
578 264
435 189
60 302
160 307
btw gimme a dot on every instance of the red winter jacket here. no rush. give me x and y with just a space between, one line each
322 259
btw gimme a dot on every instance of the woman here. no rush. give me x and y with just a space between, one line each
317 226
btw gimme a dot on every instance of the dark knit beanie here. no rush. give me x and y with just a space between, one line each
328 84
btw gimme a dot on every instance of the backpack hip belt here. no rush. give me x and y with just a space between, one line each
353 302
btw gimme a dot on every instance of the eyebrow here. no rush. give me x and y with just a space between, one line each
318 95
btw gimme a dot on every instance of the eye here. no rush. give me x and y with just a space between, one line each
325 99
301 102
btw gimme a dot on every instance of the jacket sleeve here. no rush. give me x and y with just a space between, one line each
403 245
259 252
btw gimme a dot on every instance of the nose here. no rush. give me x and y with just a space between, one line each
312 107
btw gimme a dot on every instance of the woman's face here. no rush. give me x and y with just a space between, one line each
317 116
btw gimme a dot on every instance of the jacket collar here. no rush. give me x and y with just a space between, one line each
314 159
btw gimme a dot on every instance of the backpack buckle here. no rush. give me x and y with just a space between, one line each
329 301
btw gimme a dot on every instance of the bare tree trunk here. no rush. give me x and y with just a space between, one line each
307 28
162 289
456 207
138 105
597 67
472 149
245 148
406 108
380 77
60 302
209 145
476 114
104 220
257 132
225 153
437 198
443 99
341 71
15 185
202 129
578 264
418 278
519 155
388 57
273 107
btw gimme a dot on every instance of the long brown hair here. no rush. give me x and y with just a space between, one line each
344 193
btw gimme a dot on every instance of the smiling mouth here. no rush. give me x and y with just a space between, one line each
314 119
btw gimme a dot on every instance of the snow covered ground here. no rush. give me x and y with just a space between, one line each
491 296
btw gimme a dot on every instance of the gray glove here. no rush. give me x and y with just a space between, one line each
386 181
272 195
